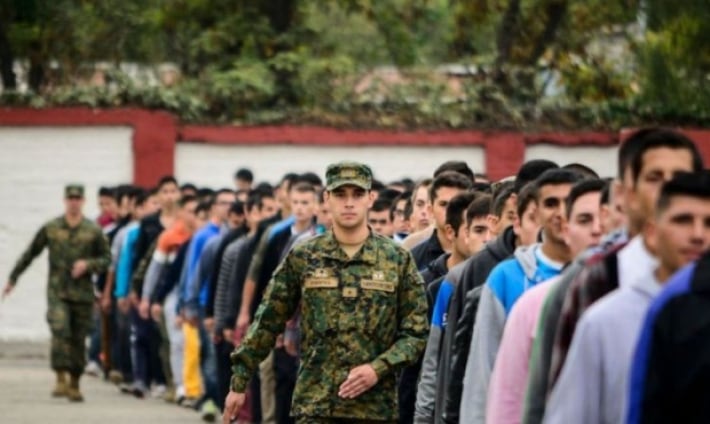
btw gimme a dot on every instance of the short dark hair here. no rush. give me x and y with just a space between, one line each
526 196
203 206
480 207
389 194
244 174
380 205
141 197
289 178
407 197
456 209
500 200
167 179
581 188
581 169
237 208
482 187
458 166
692 184
184 200
555 177
654 138
531 170
377 185
266 188
303 187
311 178
223 191
321 196
188 186
107 192
448 179
255 200
606 192
204 193
124 190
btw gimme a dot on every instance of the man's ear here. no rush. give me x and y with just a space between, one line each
449 232
492 222
371 199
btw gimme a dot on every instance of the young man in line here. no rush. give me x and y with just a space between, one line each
646 159
594 381
472 216
506 393
508 281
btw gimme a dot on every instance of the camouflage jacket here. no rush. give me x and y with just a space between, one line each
367 309
66 246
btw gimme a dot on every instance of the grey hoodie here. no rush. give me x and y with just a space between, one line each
505 284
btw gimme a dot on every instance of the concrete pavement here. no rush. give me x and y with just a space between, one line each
26 381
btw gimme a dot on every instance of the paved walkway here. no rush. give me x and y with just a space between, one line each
26 381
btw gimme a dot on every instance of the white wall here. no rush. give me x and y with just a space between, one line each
35 164
600 159
214 165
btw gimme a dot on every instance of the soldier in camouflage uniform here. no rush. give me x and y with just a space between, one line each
363 314
77 249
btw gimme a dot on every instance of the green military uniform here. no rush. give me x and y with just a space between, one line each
369 308
69 300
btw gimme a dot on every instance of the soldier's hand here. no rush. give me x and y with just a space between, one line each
79 268
360 379
232 405
291 346
8 288
144 309
243 320
156 312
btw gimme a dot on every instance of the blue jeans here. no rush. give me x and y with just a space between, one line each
145 343
208 361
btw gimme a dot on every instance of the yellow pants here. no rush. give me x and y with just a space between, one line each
192 379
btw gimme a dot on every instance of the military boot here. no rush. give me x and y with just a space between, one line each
74 394
60 388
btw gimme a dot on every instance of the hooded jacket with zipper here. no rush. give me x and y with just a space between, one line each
504 286
462 316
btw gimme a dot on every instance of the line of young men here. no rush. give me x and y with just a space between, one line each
540 324
181 275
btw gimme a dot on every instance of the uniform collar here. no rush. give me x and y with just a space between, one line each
367 253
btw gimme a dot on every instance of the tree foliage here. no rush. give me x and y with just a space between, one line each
526 62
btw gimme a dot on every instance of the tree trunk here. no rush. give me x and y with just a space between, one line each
9 79
556 12
507 31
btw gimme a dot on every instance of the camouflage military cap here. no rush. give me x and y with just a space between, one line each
348 173
73 190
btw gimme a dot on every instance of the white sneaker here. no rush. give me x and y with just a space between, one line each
93 369
158 391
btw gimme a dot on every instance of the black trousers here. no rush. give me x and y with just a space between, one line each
286 372
223 349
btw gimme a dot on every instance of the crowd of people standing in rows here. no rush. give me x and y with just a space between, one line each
550 296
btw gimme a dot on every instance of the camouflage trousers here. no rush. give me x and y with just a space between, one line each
69 323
